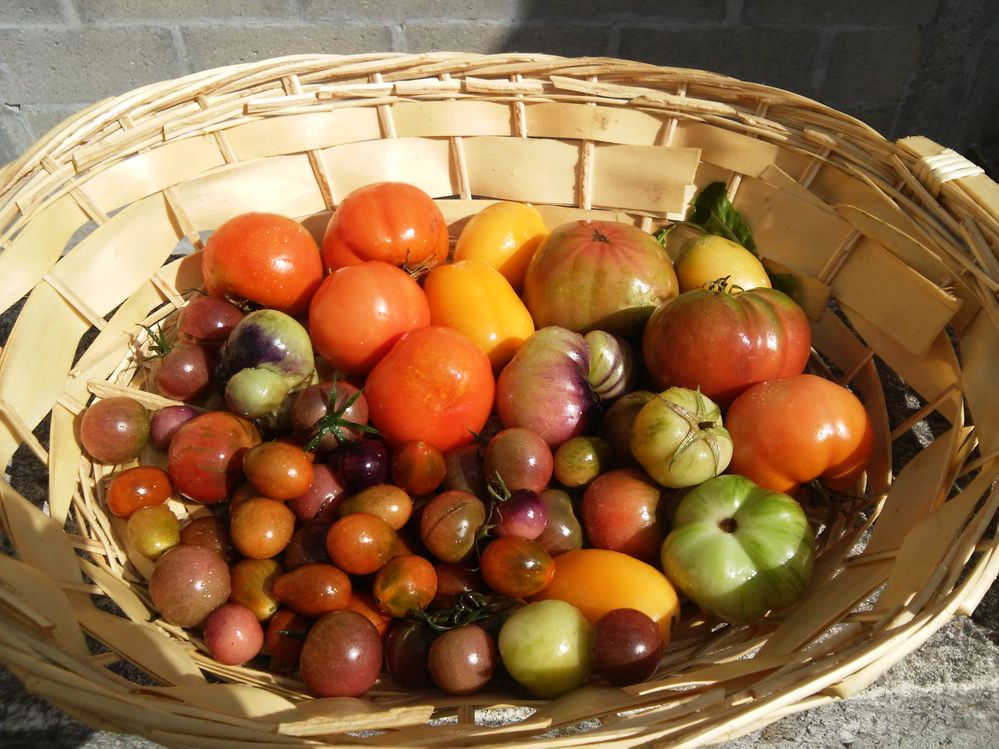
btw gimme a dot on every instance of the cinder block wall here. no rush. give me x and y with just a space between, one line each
925 67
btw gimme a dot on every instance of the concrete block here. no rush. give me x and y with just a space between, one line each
781 57
847 12
127 10
15 136
603 11
213 47
404 10
548 39
65 66
872 64
31 11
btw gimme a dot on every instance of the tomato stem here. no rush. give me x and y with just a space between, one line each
470 607
333 422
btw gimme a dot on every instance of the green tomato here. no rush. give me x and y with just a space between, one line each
545 646
738 550
679 439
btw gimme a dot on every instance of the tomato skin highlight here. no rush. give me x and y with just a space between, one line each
434 385
722 343
263 257
394 222
790 431
361 310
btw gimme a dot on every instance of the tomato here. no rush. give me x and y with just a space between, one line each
738 550
313 589
265 258
405 583
261 527
361 543
394 222
516 567
622 511
722 343
598 275
114 430
389 502
361 310
790 431
434 385
205 460
679 439
278 470
599 580
505 236
707 258
477 300
419 468
137 487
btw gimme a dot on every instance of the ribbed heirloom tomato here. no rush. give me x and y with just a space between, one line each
263 257
394 222
434 385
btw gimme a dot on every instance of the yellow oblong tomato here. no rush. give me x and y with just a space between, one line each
477 300
708 258
596 581
505 236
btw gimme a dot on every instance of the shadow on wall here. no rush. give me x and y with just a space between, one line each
930 71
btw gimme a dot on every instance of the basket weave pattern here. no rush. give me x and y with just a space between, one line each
902 237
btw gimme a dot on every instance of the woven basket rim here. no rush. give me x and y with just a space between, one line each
950 207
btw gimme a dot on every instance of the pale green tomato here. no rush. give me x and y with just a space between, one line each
545 646
679 439
738 550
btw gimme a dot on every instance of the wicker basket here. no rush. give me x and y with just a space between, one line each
892 247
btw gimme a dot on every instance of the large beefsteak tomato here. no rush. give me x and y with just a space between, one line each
598 275
722 343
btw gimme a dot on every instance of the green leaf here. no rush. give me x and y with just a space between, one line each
714 212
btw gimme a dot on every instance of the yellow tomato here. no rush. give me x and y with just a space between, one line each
709 257
596 581
505 236
475 299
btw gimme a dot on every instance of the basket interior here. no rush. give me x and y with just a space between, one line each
890 248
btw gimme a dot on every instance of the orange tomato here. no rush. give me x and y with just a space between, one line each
265 258
360 311
599 580
435 385
475 299
505 236
394 222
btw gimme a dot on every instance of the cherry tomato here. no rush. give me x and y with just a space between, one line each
184 373
364 603
205 460
261 527
361 310
434 385
404 584
389 502
278 470
449 524
477 300
417 467
137 487
265 258
789 431
394 222
360 543
253 586
517 567
212 532
520 457
505 236
313 589
284 636
114 430
708 258
207 321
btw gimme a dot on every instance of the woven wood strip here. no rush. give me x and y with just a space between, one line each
901 236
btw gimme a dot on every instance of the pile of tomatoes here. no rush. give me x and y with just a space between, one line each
439 468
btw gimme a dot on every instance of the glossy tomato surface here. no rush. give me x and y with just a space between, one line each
205 460
787 432
504 235
434 385
264 258
395 222
361 310
722 343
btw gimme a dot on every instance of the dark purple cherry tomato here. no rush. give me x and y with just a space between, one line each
627 645
363 463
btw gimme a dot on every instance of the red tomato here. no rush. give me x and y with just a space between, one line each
722 343
395 222
360 311
787 432
434 385
263 257
205 460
